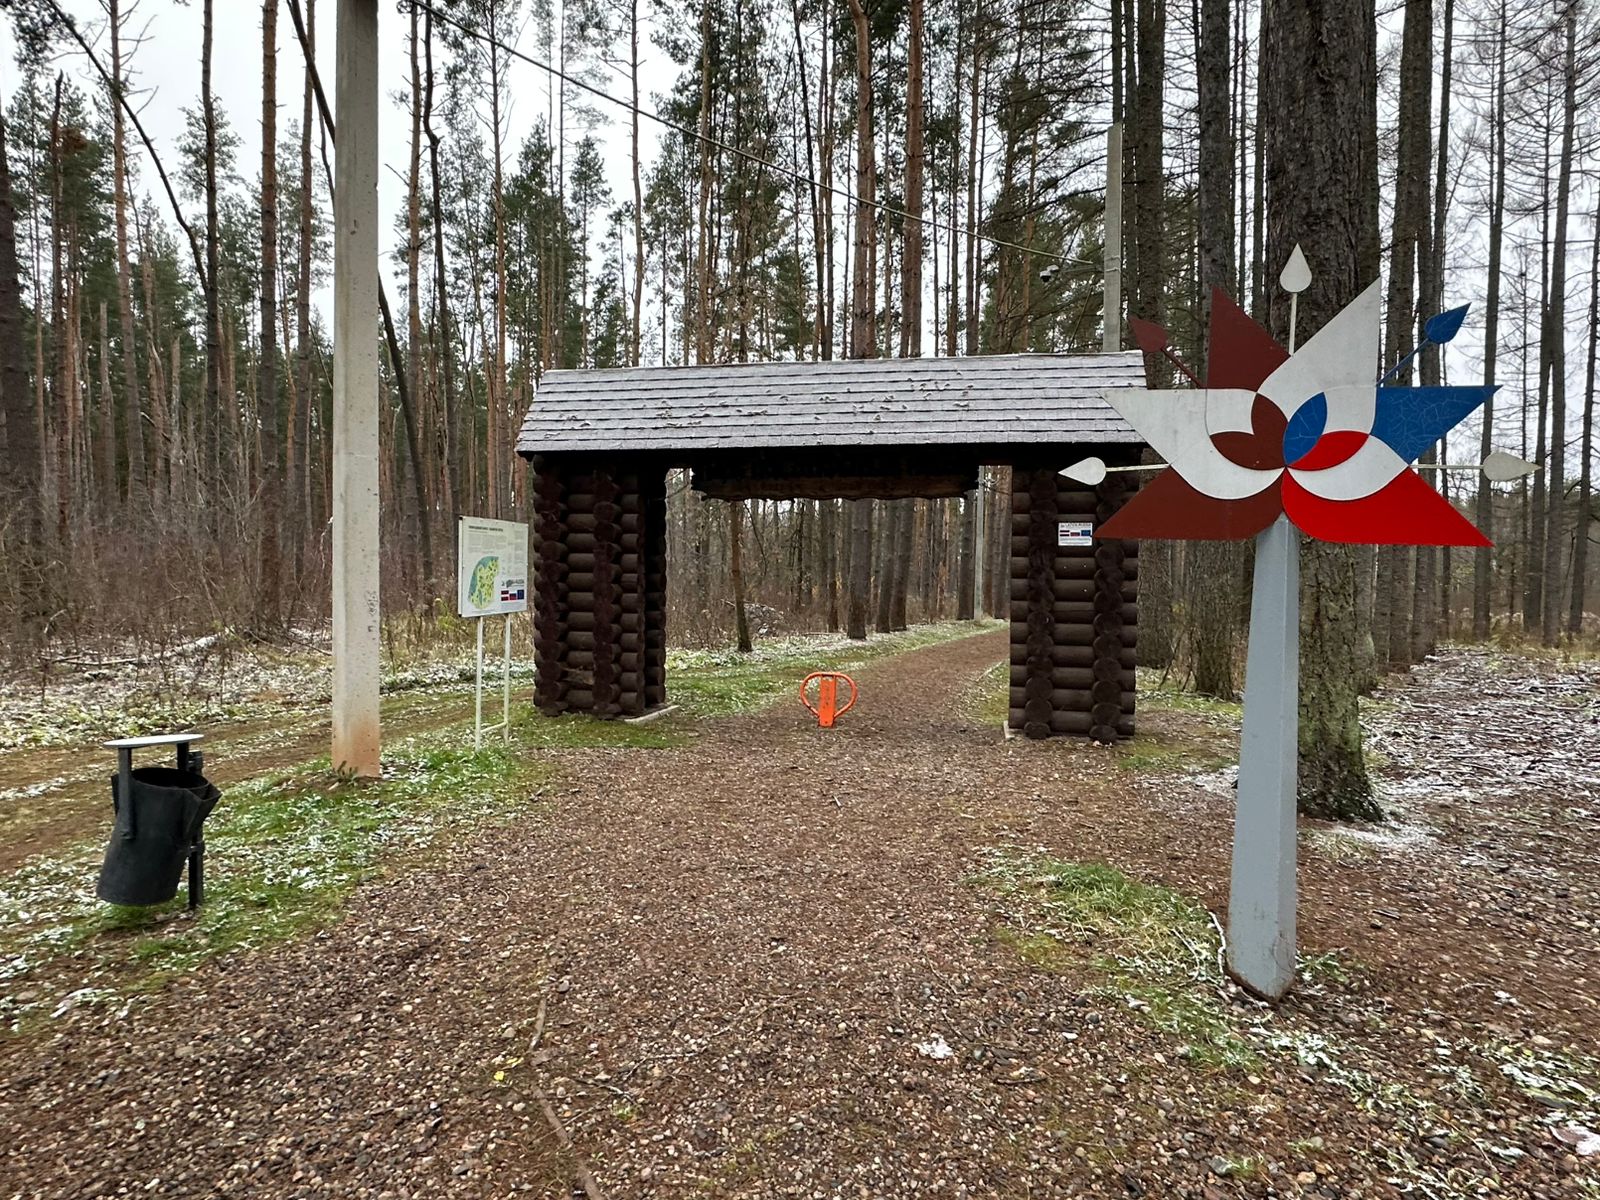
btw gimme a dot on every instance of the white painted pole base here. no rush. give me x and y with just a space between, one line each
477 693
1261 901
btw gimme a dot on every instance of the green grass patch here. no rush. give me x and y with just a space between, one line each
1154 754
1156 948
988 700
721 683
1173 699
283 853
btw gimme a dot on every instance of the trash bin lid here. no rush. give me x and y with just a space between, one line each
154 739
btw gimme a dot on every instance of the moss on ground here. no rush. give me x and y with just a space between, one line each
283 852
1156 948
287 847
988 700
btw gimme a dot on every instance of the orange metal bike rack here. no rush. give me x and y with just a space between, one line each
827 696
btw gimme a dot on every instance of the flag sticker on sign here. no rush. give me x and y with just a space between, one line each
1074 533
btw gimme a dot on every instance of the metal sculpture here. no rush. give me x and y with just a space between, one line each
1279 440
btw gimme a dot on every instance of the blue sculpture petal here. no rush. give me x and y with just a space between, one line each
1304 428
1446 325
1412 419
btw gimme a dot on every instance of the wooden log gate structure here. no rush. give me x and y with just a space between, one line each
600 443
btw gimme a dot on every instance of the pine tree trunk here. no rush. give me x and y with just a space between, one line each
1214 568
1585 508
830 562
966 588
888 539
638 190
860 591
1555 539
1434 565
213 410
1396 595
495 398
414 336
454 442
133 425
1319 69
269 595
20 492
1430 283
1533 588
1483 561
736 571
911 257
301 468
902 563
1149 215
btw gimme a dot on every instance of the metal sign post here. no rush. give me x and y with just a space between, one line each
504 724
491 580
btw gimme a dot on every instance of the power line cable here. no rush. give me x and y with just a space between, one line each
796 176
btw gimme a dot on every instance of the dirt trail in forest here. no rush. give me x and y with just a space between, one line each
51 797
758 965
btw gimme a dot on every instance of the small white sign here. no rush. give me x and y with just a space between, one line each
491 567
1074 533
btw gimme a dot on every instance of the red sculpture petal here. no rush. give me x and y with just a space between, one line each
1261 448
1168 507
1242 353
1406 512
1331 450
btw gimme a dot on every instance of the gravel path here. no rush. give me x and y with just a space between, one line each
731 970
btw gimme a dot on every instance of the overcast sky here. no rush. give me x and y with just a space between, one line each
165 70
165 76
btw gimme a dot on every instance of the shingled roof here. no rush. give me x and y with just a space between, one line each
1013 399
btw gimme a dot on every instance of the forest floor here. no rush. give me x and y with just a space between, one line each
732 954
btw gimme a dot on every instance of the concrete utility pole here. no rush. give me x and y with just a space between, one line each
355 393
1111 340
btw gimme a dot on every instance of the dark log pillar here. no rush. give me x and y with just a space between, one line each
600 592
1079 680
550 601
1116 620
1039 579
607 595
653 499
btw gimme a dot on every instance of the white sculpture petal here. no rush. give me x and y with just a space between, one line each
1352 406
1343 353
1296 274
1501 467
1228 409
1174 423
1368 470
1091 471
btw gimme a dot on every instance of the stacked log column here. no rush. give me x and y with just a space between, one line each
1116 618
550 602
653 496
1039 543
1073 612
600 600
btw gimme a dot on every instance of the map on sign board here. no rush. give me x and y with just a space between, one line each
1074 533
491 567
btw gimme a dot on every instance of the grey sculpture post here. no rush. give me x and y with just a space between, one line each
1261 900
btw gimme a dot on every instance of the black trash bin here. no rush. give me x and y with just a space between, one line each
158 828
